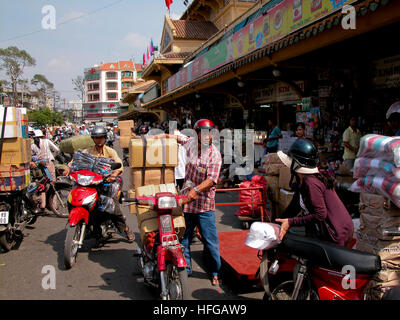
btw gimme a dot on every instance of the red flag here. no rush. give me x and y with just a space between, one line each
168 3
144 59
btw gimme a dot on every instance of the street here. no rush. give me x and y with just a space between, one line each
108 273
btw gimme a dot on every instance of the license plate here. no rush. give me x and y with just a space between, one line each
4 217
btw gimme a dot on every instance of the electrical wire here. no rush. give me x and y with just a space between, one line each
66 21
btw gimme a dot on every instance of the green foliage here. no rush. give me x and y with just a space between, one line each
45 117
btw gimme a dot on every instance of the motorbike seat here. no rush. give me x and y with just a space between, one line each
329 255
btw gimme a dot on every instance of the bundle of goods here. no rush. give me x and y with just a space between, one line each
86 161
16 122
377 172
379 234
14 177
125 132
76 143
15 149
152 161
256 195
148 218
272 164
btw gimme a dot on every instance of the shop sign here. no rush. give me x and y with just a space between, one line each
285 92
306 103
386 72
265 95
110 108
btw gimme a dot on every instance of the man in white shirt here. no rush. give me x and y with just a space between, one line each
180 169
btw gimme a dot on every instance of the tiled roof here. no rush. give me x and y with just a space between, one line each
188 29
175 55
126 64
138 67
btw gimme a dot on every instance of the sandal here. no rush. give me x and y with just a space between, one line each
215 281
129 235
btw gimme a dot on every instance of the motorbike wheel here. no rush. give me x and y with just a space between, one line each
56 206
7 241
71 245
285 289
177 283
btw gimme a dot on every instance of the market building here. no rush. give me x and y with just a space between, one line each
290 61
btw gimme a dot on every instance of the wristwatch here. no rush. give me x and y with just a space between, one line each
196 189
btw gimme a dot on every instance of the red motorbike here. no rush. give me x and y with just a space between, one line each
161 259
302 268
87 210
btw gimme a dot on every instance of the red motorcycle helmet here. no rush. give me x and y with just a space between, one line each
203 124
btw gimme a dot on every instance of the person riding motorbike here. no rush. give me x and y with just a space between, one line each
324 214
43 148
99 136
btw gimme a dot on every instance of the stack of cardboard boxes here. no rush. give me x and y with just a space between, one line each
16 152
125 132
379 224
152 162
278 178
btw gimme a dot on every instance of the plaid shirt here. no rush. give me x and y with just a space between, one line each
198 169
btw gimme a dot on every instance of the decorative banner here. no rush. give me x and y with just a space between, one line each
274 21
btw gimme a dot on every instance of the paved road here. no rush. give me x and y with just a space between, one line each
109 273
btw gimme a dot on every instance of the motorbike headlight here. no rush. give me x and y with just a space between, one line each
167 203
85 180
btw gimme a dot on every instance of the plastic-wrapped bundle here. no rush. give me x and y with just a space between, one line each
106 204
380 147
83 161
102 165
110 190
388 186
374 167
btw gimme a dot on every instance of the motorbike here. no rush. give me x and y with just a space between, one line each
161 259
14 216
88 210
56 191
302 268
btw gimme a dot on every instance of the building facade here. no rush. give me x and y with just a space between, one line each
105 85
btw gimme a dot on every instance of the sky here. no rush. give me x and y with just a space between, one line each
87 32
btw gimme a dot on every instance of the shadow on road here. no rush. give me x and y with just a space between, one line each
125 277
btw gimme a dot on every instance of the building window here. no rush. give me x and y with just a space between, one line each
93 87
112 86
112 96
93 97
111 75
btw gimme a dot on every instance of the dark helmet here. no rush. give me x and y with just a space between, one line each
304 152
98 131
204 124
143 129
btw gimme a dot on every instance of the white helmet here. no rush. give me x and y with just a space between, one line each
38 133
263 236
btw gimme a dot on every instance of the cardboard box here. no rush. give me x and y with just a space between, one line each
272 164
126 124
285 197
14 177
389 251
16 151
378 226
284 178
125 132
148 218
273 188
377 205
124 141
158 153
152 176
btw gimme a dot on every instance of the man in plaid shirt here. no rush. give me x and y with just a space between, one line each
203 166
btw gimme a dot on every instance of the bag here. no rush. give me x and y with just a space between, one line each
252 196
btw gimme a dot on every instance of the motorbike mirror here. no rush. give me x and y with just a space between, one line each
115 166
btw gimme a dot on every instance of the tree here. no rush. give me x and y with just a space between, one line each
45 117
14 62
79 86
43 86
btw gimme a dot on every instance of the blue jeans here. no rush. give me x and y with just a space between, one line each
208 230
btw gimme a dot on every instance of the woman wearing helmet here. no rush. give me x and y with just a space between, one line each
324 214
